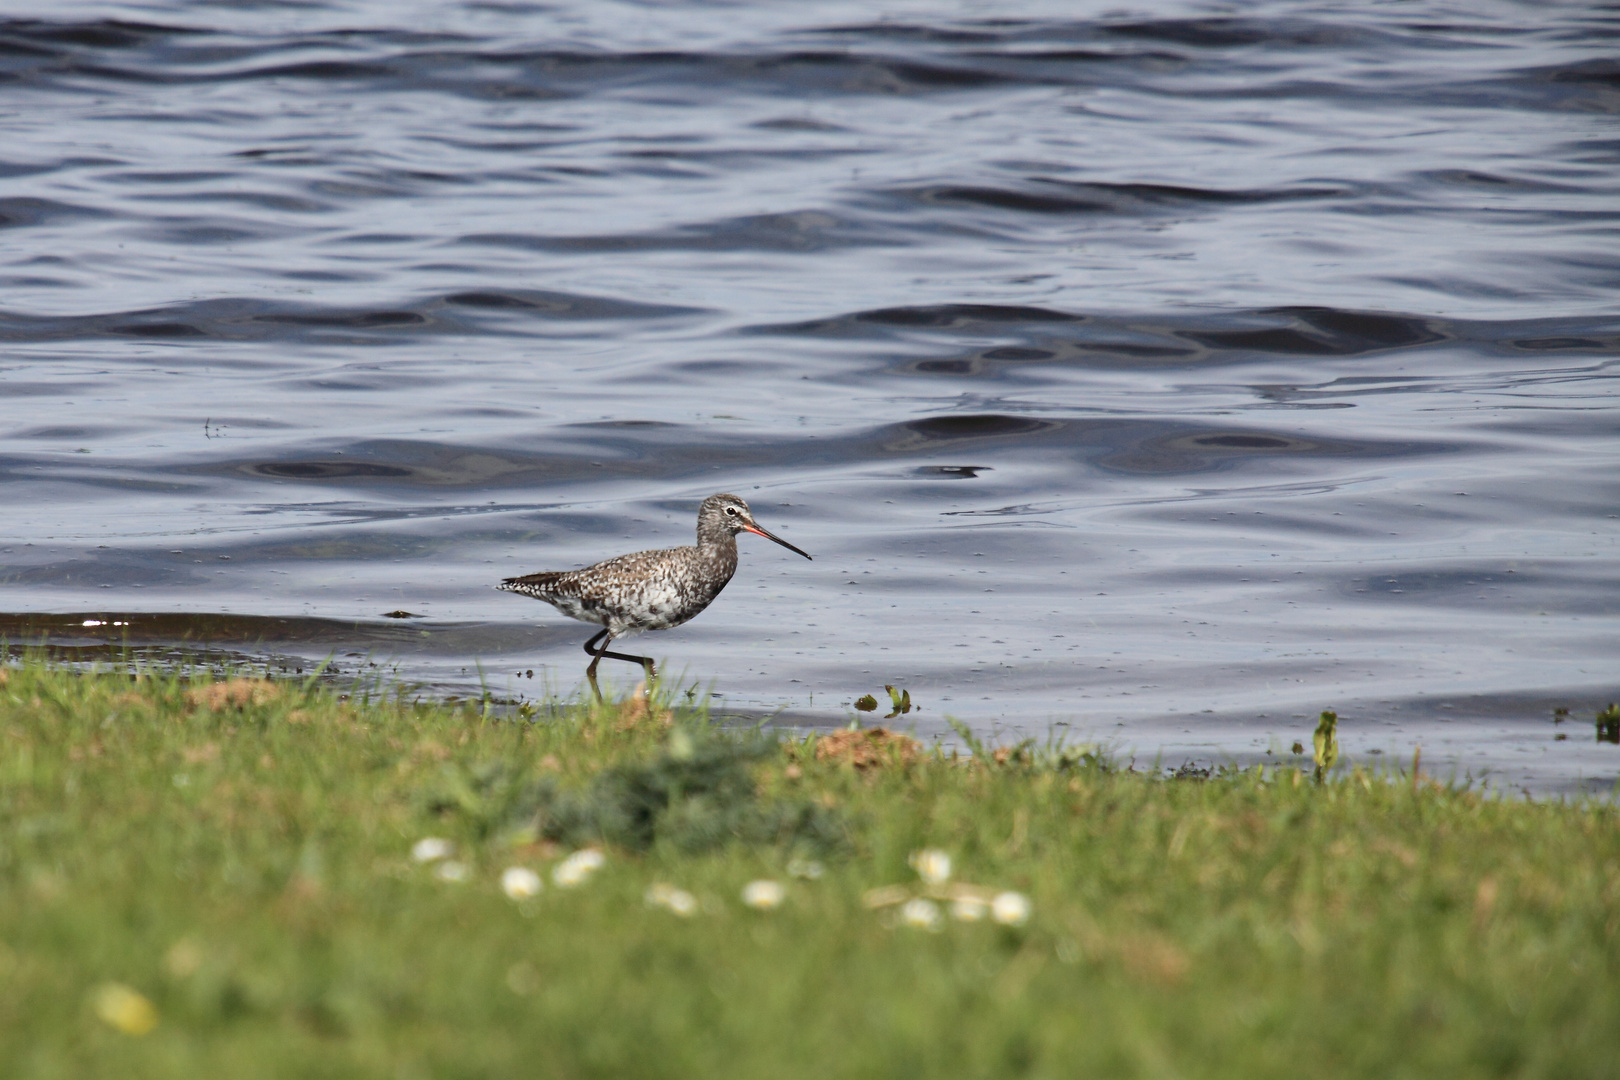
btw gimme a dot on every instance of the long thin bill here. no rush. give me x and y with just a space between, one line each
778 539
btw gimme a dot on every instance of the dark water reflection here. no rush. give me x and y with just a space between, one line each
1270 358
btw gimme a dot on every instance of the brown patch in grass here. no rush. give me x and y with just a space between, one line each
46 885
232 693
634 710
1154 959
1408 858
300 904
1485 902
427 748
1023 967
196 755
92 748
869 748
539 849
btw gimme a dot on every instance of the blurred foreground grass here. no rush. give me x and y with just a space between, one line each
218 880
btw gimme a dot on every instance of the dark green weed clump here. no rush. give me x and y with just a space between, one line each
1608 724
250 878
695 793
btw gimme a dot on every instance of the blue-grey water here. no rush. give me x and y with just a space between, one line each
1160 375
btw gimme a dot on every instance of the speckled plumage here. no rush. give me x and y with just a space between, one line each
650 590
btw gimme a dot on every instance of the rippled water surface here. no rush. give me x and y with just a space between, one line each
1167 375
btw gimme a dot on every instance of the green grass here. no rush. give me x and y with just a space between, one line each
247 870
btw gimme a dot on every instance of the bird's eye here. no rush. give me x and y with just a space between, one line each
732 510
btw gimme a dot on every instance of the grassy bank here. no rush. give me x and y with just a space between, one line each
220 881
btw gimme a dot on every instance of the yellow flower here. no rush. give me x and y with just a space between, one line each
127 1010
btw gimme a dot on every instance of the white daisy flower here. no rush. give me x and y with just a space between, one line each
932 865
578 867
519 882
968 909
763 895
923 914
430 848
1010 909
676 900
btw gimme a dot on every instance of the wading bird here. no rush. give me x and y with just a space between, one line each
649 590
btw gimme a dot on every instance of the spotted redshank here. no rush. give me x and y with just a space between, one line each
649 590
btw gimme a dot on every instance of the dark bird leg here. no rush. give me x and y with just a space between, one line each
598 654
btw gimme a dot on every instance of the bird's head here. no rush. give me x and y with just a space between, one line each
729 514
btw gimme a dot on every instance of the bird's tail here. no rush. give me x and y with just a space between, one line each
530 584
